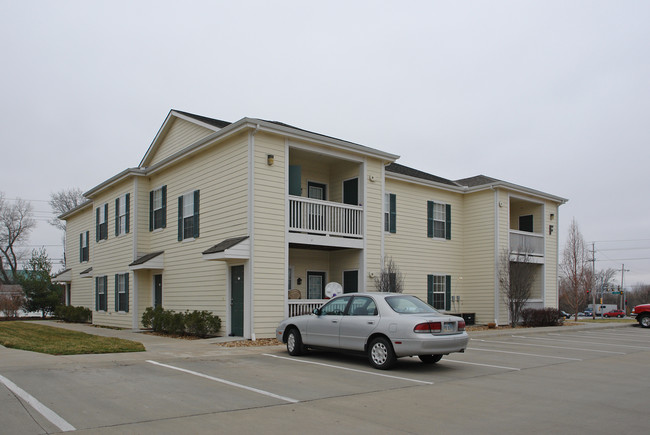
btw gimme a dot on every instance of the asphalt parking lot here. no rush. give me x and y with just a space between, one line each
548 380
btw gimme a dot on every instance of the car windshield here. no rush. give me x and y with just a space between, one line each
406 304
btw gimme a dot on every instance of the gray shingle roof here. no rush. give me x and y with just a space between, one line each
405 170
211 121
226 244
478 180
146 258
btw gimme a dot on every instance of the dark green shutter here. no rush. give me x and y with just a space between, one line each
393 213
448 221
430 289
295 180
196 214
429 218
117 291
126 291
117 216
151 211
87 256
97 224
128 212
448 292
96 293
81 248
180 218
164 206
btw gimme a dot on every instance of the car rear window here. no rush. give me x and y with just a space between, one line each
406 304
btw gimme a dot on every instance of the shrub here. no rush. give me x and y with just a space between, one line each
202 323
68 313
533 317
11 304
199 323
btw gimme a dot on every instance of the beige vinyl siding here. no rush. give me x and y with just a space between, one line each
112 256
269 266
304 260
373 209
415 254
180 135
551 257
340 261
81 289
220 174
478 271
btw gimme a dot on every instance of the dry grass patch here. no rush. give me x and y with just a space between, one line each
58 341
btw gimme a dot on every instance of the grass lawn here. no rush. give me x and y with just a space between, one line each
59 341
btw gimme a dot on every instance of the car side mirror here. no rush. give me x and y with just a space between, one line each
316 311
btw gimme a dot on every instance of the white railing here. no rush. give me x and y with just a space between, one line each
522 242
325 217
298 307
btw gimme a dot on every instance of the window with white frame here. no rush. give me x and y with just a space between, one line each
122 214
84 248
102 222
439 220
390 213
122 292
438 291
158 200
101 296
188 216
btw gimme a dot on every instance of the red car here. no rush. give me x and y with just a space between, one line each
614 313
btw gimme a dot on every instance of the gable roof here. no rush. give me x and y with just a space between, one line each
396 168
477 180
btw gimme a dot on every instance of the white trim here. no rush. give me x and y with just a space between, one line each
363 257
195 121
496 255
383 206
287 157
249 303
314 239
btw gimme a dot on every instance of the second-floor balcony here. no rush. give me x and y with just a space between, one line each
315 217
527 243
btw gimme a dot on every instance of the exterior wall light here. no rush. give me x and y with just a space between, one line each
269 159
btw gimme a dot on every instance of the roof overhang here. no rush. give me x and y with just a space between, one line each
236 248
154 260
87 273
63 277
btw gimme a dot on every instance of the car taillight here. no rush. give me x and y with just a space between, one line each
428 327
461 325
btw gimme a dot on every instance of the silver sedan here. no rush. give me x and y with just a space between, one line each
385 326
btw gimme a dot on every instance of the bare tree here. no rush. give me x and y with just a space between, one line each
64 201
576 275
390 279
516 278
16 223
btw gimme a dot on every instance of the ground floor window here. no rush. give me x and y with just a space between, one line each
101 298
122 292
437 291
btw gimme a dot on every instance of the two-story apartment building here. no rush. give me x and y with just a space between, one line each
252 219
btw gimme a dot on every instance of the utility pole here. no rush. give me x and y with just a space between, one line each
593 280
623 304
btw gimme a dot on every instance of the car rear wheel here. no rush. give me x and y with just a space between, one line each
644 321
294 343
430 359
381 354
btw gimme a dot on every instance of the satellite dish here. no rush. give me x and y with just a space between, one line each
333 289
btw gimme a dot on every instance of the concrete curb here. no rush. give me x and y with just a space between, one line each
547 329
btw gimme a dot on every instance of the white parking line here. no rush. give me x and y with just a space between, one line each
544 345
46 412
577 341
616 337
348 369
484 365
223 381
525 354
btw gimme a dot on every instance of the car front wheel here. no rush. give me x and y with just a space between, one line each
381 354
294 343
430 359
644 321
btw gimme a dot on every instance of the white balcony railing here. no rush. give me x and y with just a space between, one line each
298 307
324 217
522 242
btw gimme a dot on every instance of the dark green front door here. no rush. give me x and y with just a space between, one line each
237 301
351 191
157 291
350 281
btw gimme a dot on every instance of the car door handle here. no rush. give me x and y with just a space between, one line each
371 322
335 321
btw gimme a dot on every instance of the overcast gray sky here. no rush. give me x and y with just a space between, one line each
552 95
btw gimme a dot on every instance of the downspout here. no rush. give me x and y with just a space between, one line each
135 324
251 228
496 255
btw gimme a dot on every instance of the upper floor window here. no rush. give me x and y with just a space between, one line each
438 220
390 213
158 208
101 227
188 216
122 211
84 248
